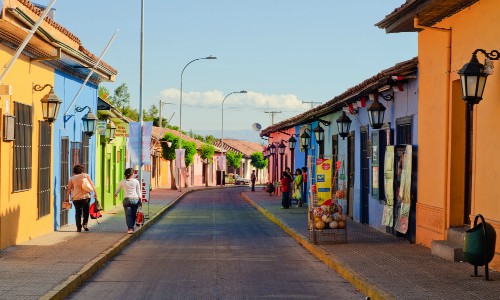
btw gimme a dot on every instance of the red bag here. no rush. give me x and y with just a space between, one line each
94 214
139 219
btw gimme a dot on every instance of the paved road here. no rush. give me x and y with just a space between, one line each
214 245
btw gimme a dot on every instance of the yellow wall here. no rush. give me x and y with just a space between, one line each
439 125
18 211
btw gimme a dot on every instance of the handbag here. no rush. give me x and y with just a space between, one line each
67 205
97 205
139 219
86 185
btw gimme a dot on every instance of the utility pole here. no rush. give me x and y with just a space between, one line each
161 115
272 115
311 102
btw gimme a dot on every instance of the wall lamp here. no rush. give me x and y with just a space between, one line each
376 113
89 120
343 125
387 97
110 130
50 103
473 76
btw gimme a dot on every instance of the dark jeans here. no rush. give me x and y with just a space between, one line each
285 199
81 205
130 205
253 185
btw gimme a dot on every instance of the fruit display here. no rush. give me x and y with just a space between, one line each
320 225
328 216
340 194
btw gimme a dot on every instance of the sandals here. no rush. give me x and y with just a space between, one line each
130 231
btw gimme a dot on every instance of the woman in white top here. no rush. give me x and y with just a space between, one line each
132 197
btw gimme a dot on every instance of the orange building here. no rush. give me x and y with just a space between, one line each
450 194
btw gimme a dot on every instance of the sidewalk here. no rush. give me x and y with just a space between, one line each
53 265
380 265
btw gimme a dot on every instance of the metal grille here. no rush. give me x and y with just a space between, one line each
64 177
44 169
76 154
85 152
23 131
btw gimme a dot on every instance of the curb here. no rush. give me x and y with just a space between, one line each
359 281
64 289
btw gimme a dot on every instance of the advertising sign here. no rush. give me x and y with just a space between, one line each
324 181
122 129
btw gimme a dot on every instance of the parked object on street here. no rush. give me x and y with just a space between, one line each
269 188
240 180
479 245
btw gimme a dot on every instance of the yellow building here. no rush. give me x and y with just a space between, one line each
450 195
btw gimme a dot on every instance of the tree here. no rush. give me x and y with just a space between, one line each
104 93
131 113
234 159
121 97
151 114
207 151
168 153
258 161
210 139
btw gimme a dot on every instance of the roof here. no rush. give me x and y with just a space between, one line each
159 132
50 38
429 13
247 148
370 85
106 108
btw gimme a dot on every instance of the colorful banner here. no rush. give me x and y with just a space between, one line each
324 181
405 191
180 161
388 216
133 142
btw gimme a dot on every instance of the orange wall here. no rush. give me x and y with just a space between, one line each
472 28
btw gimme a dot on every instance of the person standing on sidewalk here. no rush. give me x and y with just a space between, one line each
253 178
131 199
285 190
80 197
298 184
304 187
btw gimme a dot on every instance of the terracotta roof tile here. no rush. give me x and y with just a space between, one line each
245 147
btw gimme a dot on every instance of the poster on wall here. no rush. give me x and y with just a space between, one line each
404 193
387 218
324 181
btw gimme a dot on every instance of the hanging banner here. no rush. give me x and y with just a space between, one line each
133 142
180 161
405 191
221 163
388 216
145 185
324 181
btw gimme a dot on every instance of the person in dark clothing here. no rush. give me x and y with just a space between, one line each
304 188
253 178
285 190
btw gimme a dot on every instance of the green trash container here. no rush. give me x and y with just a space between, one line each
475 243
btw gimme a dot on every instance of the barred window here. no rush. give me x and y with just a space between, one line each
23 131
44 146
404 130
76 154
65 174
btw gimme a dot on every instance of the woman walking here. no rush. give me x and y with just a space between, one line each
80 197
132 199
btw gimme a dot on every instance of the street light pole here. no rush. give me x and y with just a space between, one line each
180 111
222 133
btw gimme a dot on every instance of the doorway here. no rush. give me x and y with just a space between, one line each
350 173
365 175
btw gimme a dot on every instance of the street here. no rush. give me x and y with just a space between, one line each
214 245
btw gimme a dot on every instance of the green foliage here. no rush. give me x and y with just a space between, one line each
190 151
104 93
131 113
210 139
168 153
121 97
234 159
151 114
207 151
258 161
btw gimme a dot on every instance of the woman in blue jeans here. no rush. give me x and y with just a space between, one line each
132 198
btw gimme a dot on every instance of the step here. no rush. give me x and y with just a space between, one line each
456 234
448 250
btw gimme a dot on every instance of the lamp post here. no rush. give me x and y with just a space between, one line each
281 151
272 151
180 110
222 133
304 142
89 120
291 144
376 113
473 77
50 103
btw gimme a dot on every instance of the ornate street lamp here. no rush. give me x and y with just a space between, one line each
343 125
319 134
89 120
304 142
110 130
50 103
291 144
281 151
376 114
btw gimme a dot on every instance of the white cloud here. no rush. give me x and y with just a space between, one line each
251 99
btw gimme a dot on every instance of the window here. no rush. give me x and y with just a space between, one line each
23 131
403 130
64 176
44 153
76 154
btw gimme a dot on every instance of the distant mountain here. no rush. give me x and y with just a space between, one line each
244 134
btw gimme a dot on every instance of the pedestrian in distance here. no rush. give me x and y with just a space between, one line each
253 178
289 172
285 190
80 197
304 187
131 199
298 184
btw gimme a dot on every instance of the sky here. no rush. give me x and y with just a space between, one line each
283 52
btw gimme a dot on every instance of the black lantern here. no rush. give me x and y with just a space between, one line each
110 130
343 125
89 121
272 149
304 139
319 133
473 80
281 148
292 142
376 114
50 103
